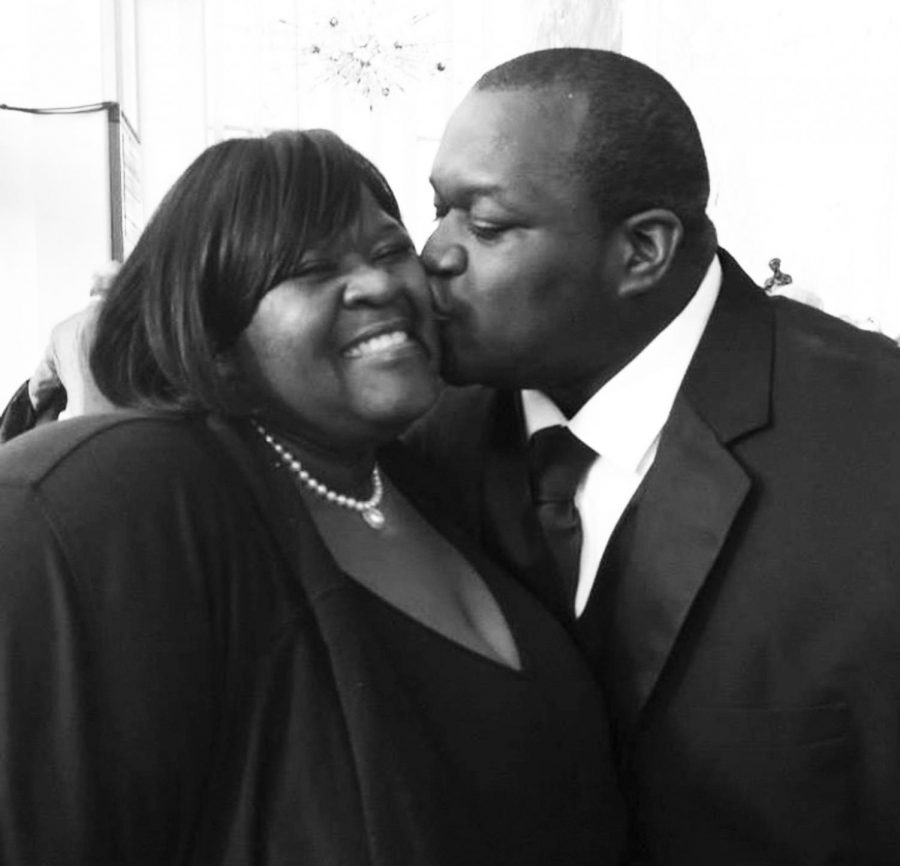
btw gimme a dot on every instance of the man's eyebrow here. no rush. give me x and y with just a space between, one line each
469 191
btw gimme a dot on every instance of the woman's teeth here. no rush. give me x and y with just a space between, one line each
377 344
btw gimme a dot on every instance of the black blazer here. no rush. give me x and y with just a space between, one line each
746 618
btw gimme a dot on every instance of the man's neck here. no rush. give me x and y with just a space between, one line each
571 396
648 316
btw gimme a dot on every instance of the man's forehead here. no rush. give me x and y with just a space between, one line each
498 138
514 123
508 110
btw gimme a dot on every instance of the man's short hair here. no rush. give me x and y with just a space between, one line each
639 146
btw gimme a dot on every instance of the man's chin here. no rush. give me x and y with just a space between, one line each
460 369
452 374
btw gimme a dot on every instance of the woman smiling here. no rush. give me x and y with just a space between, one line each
236 623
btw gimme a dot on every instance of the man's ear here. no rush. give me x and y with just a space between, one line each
651 239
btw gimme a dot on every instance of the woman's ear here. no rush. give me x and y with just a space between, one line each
234 388
651 239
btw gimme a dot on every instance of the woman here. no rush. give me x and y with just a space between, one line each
230 632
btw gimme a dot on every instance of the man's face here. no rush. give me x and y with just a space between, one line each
520 266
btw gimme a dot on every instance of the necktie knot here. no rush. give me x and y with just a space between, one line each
557 460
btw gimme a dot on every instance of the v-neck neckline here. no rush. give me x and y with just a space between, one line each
524 672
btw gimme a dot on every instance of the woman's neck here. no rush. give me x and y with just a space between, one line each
346 470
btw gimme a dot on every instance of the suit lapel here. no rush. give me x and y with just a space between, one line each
728 382
673 532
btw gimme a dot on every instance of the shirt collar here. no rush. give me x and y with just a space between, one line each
624 418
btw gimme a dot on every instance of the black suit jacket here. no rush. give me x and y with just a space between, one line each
746 618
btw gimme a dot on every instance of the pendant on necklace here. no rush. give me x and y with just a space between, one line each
368 508
374 517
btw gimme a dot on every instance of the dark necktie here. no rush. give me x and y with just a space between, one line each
558 461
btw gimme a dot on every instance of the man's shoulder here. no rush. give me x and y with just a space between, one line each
831 352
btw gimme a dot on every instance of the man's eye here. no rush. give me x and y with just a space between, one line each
440 210
487 231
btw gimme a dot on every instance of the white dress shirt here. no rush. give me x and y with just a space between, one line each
622 422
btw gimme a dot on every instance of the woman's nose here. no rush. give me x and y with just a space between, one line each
369 284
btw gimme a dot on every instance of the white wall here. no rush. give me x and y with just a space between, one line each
799 108
798 103
54 194
172 90
192 79
212 64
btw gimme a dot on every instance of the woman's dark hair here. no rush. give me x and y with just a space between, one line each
234 225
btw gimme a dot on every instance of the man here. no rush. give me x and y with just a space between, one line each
735 583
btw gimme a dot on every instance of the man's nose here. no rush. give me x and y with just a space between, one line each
442 259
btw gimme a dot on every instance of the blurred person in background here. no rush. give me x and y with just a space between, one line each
65 362
61 385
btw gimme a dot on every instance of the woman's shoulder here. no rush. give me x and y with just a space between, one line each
141 513
141 444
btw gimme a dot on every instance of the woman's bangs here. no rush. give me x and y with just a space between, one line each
316 209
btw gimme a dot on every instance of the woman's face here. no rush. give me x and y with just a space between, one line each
344 354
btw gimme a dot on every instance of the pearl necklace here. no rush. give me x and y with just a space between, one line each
368 509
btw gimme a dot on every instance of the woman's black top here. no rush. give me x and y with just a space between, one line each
187 678
525 743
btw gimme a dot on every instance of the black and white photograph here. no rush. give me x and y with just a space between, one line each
449 433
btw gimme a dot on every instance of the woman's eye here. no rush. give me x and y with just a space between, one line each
315 269
399 250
